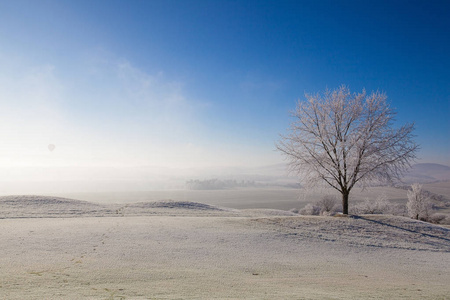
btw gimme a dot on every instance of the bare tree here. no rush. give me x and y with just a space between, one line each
345 139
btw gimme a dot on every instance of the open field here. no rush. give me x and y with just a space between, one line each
246 198
185 250
271 197
441 188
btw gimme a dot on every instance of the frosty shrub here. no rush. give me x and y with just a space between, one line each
294 210
418 205
378 206
440 219
398 210
327 205
310 210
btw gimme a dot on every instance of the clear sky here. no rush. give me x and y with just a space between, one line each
207 83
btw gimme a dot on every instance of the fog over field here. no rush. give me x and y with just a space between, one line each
262 187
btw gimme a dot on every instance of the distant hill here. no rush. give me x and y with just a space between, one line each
427 172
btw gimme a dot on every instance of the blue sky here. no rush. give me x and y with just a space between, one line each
207 83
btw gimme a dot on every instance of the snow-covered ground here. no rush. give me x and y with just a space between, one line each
55 248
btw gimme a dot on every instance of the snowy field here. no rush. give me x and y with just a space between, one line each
267 197
54 248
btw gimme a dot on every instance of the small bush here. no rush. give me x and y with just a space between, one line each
294 210
327 205
310 210
445 221
439 219
398 210
378 206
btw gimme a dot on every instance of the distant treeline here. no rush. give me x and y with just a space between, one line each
217 184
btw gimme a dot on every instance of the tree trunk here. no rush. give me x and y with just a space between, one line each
345 203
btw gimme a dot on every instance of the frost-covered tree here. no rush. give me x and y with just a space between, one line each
418 205
346 139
